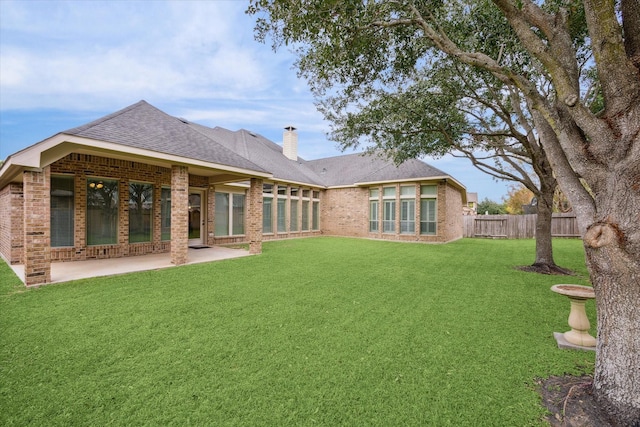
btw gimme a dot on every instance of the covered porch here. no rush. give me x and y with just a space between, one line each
74 270
81 191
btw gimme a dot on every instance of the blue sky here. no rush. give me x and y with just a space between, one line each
65 63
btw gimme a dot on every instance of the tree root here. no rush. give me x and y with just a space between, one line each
543 268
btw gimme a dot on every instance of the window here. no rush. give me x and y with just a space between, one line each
222 214
389 216
140 212
407 191
407 216
428 190
293 209
374 225
315 210
389 210
102 211
315 215
428 216
294 215
267 215
237 220
282 215
428 209
230 213
62 210
374 206
305 215
408 209
165 214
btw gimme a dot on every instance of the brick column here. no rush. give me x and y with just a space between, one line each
179 214
211 215
37 233
254 214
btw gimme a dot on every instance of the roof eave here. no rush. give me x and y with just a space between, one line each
58 146
448 178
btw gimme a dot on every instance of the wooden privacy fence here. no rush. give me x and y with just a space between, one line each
517 226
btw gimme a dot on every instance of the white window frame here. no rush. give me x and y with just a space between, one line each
408 209
281 200
230 214
389 207
294 200
267 194
315 210
424 197
151 213
63 214
374 210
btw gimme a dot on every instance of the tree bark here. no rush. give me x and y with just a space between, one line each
615 275
544 248
612 247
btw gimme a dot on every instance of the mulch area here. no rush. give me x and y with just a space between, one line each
571 402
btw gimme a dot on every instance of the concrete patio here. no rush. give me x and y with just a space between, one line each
74 270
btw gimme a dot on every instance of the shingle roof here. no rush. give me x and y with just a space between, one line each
263 152
142 125
359 168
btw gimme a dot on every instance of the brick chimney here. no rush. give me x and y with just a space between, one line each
290 143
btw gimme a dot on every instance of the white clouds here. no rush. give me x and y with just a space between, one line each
90 53
65 63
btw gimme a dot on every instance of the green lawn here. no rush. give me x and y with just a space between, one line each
323 331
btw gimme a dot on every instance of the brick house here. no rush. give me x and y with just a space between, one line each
140 181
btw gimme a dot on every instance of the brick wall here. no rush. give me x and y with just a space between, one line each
275 235
85 166
11 223
37 245
179 214
254 216
453 225
345 212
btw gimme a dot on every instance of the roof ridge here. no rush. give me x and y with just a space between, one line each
110 117
385 166
244 142
362 153
195 128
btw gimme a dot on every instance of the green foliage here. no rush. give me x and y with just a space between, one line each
354 332
491 207
384 84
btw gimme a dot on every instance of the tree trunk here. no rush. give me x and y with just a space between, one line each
612 247
545 193
544 262
615 275
544 247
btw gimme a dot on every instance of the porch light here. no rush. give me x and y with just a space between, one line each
97 185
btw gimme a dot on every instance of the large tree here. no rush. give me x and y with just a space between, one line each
350 50
462 109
